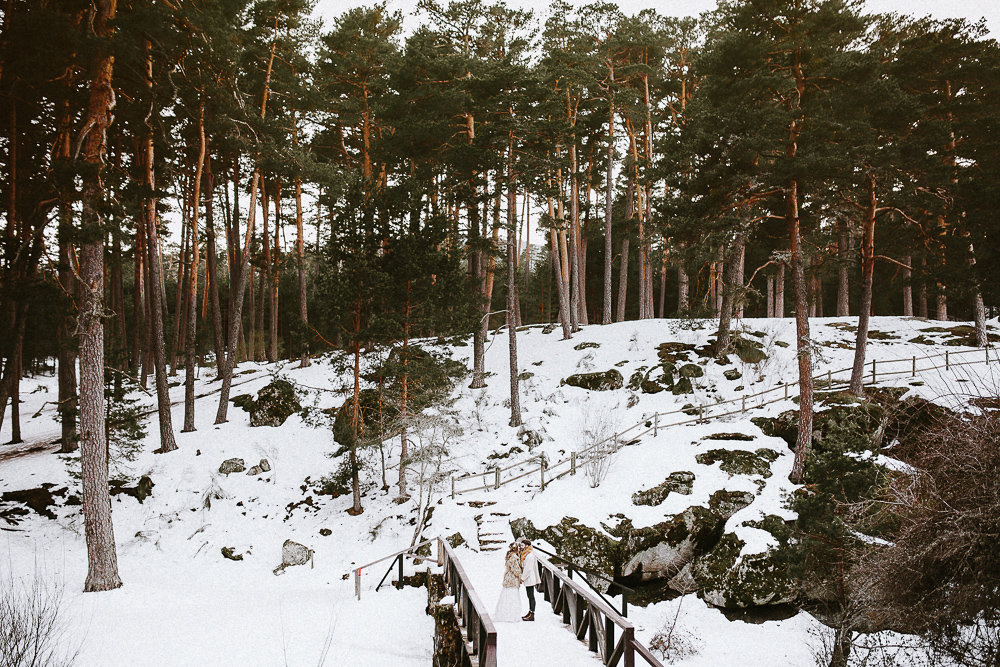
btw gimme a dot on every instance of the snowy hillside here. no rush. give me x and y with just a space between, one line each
184 603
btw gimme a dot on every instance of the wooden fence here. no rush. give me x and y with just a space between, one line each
546 472
591 619
477 626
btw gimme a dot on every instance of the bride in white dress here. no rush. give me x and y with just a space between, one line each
509 605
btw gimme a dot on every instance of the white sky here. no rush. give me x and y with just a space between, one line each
971 9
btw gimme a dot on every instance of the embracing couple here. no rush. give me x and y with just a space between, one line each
520 567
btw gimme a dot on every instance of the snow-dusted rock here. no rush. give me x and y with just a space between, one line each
727 579
293 553
232 465
260 468
665 548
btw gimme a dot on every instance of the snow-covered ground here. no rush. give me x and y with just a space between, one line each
184 603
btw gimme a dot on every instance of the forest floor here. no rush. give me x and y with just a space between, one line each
184 603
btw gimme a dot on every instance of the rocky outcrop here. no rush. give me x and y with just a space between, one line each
260 468
725 578
678 482
605 381
662 550
740 462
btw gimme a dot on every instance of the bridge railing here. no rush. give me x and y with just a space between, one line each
592 620
472 615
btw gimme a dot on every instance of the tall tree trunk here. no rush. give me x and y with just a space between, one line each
157 296
102 560
683 296
922 292
663 284
67 341
211 266
803 442
192 313
608 202
908 287
770 295
843 270
779 292
272 349
867 279
978 308
301 255
515 401
731 285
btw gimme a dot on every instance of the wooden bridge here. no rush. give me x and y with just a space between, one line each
601 629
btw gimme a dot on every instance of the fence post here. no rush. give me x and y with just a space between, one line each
829 378
914 372
572 463
629 650
541 468
873 371
947 364
743 403
786 389
357 583
497 485
399 584
452 487
624 603
656 416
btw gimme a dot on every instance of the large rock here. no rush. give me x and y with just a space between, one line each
727 579
232 465
727 503
662 550
293 553
275 403
740 462
605 381
678 482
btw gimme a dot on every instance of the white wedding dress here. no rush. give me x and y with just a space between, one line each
509 605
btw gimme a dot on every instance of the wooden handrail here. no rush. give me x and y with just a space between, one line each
591 619
472 614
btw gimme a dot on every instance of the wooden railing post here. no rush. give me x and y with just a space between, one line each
656 423
452 487
497 484
572 463
629 638
399 584
914 372
947 364
541 468
873 371
357 583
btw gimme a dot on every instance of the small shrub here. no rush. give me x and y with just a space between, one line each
32 629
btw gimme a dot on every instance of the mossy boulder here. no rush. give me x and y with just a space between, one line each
691 371
727 503
660 551
585 345
678 482
732 374
784 426
740 462
749 351
275 403
606 381
727 579
682 386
